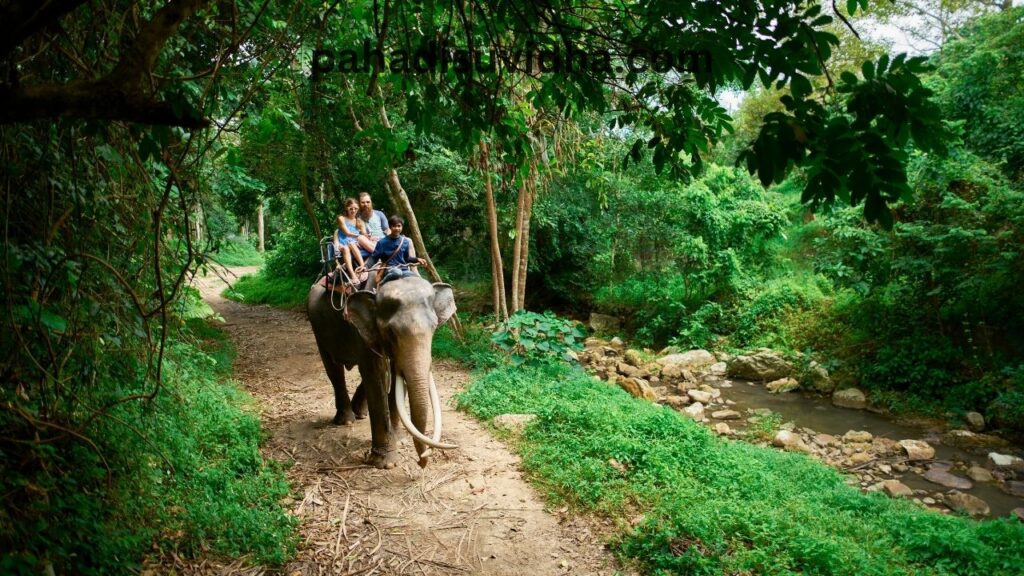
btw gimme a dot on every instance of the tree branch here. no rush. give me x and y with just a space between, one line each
121 94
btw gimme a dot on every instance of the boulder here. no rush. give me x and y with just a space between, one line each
785 438
677 401
782 385
726 415
604 323
849 398
897 489
723 429
857 436
975 421
979 474
693 360
678 372
968 439
966 503
718 368
816 378
617 343
764 365
998 461
943 478
695 411
860 458
917 449
634 357
513 422
885 446
700 396
637 387
825 440
1014 488
628 370
1018 513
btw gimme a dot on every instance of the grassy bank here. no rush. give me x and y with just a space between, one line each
182 474
259 288
704 505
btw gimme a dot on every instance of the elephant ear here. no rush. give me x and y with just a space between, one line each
444 302
362 313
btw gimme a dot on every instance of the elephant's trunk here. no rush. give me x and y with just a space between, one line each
414 372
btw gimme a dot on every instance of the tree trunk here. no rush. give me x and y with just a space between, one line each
497 273
524 233
517 247
259 216
307 203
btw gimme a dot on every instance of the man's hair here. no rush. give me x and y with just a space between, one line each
362 194
396 219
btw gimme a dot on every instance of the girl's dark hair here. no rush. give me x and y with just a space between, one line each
396 219
350 201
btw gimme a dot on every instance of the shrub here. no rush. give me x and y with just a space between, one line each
531 337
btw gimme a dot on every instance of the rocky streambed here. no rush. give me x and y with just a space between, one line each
758 398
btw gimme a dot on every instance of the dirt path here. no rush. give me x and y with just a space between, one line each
468 512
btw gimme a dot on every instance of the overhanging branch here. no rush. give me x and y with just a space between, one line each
120 95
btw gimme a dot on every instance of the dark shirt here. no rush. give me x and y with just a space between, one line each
386 247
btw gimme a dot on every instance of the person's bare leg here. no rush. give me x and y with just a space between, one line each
348 263
357 254
366 243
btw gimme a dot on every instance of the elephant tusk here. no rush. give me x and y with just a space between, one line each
435 403
403 415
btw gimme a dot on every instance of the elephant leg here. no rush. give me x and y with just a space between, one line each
359 401
336 373
383 450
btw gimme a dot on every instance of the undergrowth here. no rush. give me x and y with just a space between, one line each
182 474
282 292
711 506
237 251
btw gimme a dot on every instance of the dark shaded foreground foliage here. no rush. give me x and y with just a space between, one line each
705 505
181 474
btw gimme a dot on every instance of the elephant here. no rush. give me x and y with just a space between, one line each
389 335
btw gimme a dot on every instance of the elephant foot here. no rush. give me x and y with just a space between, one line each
344 417
361 414
388 459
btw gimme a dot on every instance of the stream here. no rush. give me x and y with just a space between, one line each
817 413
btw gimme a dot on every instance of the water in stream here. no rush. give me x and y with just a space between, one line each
818 414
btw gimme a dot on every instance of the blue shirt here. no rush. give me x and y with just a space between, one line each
387 245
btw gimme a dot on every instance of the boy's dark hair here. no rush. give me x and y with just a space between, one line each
396 219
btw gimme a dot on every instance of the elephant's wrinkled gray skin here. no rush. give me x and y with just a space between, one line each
388 335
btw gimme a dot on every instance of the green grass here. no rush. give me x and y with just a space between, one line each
236 251
474 351
260 289
711 506
180 474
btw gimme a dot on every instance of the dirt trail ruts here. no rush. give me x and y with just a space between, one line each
468 512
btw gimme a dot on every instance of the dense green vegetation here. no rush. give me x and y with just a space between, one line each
688 502
861 207
182 474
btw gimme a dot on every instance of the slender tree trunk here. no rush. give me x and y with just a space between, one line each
524 233
517 246
259 216
307 203
497 273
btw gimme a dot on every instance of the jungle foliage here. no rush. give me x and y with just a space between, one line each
137 138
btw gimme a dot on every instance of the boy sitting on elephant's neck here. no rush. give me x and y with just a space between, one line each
396 253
